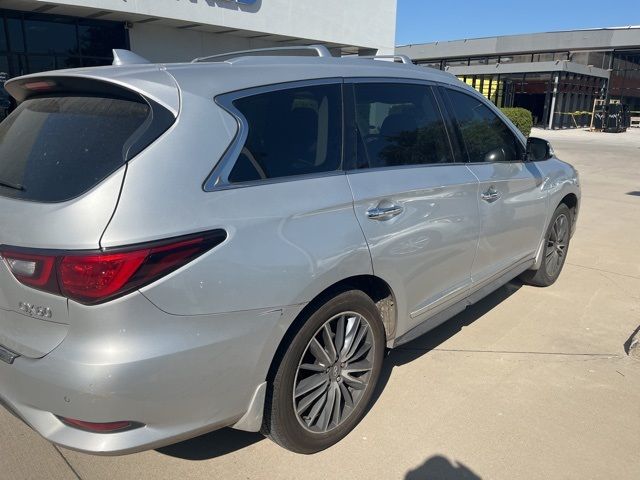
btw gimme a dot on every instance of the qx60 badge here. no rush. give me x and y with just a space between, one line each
35 310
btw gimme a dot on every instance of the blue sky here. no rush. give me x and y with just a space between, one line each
422 21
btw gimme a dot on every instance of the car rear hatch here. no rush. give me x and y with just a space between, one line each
63 158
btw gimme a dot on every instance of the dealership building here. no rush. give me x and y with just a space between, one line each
557 75
44 35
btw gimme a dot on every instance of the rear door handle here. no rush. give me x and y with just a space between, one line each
491 195
384 212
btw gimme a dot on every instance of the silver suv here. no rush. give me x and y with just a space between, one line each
238 240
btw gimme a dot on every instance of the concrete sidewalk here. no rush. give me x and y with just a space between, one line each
530 383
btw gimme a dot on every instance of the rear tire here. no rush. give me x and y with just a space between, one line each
556 248
326 378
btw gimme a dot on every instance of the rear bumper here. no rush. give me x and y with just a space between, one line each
186 376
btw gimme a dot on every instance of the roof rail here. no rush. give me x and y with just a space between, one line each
320 51
402 58
126 57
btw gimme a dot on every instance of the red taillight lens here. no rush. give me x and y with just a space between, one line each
97 277
109 427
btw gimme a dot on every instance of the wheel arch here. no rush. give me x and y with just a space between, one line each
571 201
377 289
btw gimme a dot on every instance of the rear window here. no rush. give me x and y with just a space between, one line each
54 149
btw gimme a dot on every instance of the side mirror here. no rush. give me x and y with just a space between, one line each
538 149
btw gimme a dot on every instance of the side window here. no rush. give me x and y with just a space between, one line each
291 132
398 124
486 136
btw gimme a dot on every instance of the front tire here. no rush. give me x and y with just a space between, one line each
327 376
555 251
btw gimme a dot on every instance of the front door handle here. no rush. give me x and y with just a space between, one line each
386 212
492 195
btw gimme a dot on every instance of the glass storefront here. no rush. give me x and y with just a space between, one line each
35 42
533 91
625 79
576 93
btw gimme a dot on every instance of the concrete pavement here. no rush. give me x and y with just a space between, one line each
529 383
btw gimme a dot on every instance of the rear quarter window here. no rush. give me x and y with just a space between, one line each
296 131
54 149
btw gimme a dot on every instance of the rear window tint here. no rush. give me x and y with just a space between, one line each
296 131
54 149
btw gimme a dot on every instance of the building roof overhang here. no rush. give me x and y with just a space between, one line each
535 67
131 19
595 39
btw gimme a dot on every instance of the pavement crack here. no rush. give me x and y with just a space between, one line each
509 352
73 470
604 271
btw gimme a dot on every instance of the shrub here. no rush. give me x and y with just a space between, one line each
521 118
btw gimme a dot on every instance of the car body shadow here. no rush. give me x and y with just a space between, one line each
433 339
227 440
211 445
438 467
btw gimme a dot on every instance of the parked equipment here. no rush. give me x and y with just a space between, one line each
611 117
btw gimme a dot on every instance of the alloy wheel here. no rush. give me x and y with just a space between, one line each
557 245
334 372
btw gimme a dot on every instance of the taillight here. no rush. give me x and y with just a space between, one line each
96 277
30 269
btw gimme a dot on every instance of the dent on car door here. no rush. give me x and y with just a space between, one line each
511 200
416 206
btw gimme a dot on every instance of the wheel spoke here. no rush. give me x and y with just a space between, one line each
337 407
328 342
327 411
309 399
314 367
352 329
353 382
348 399
358 367
315 410
320 353
551 260
356 343
562 227
310 383
360 353
339 338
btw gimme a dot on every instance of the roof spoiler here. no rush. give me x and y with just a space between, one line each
127 57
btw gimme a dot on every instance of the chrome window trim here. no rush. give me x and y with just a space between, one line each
355 171
218 179
415 81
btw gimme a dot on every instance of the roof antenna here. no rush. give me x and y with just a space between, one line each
126 57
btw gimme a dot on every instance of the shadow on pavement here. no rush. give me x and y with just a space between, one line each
440 468
632 345
433 339
227 440
211 445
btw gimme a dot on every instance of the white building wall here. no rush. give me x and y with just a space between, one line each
166 44
363 23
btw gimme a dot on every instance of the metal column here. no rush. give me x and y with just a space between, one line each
556 80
